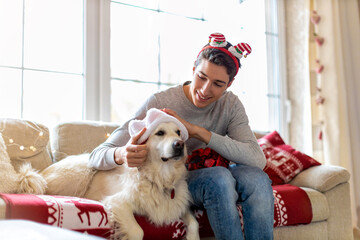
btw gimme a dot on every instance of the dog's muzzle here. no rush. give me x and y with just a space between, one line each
178 150
178 147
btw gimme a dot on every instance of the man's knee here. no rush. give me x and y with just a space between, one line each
216 183
250 180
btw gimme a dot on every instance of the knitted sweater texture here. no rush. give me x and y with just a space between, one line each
226 119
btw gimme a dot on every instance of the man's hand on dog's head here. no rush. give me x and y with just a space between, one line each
194 131
132 153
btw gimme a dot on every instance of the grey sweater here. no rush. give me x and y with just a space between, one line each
226 119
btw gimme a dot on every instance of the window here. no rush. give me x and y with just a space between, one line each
159 47
99 60
41 60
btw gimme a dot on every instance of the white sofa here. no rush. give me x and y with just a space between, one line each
326 186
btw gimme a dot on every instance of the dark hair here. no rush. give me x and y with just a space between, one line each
219 58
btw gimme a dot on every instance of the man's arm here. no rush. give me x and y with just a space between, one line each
119 147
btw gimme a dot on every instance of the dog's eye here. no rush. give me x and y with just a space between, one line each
178 132
160 133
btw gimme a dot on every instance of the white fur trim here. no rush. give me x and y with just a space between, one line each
153 118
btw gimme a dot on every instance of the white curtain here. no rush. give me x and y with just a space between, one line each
297 61
340 85
340 55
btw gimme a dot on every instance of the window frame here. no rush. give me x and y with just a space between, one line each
98 76
24 68
97 60
275 25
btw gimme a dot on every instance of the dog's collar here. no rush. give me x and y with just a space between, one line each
172 193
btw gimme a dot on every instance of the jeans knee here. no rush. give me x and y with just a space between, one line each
220 185
250 180
223 178
261 179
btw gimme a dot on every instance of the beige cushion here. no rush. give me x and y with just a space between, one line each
72 138
26 141
313 231
321 178
319 204
8 176
2 209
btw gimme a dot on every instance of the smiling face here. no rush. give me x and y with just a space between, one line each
209 83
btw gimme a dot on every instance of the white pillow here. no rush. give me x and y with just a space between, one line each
8 176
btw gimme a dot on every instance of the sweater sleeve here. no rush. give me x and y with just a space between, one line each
102 157
239 145
246 152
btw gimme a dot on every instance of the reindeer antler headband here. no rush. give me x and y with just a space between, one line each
218 41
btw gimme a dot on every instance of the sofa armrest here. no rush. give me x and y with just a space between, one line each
321 178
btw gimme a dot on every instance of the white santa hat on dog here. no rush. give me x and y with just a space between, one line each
153 118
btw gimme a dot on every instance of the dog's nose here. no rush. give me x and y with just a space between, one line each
178 145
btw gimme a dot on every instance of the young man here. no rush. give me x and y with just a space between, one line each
215 118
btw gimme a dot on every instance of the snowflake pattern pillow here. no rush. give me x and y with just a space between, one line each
283 162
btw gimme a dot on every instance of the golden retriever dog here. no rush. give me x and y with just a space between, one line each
158 189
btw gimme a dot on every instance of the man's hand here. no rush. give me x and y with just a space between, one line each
132 153
194 131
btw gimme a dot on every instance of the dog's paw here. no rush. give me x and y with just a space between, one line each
125 235
192 226
135 233
192 232
121 214
192 236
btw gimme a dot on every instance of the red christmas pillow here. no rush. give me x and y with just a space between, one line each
283 162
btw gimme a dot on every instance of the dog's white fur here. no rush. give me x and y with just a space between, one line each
127 191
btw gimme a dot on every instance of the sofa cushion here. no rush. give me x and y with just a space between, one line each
8 176
77 214
26 141
72 138
319 203
80 214
292 206
2 209
283 161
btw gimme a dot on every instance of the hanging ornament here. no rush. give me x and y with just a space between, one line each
320 100
320 136
315 17
319 67
319 40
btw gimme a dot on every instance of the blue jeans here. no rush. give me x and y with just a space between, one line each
218 189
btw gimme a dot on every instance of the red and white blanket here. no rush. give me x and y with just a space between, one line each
291 207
